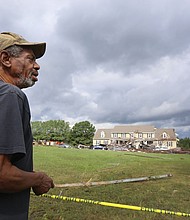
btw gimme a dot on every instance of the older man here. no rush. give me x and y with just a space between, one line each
18 69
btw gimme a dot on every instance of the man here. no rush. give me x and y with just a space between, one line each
18 69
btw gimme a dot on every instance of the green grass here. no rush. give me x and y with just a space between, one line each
73 166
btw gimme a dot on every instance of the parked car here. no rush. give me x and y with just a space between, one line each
161 148
64 145
99 147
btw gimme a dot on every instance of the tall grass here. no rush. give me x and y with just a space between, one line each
73 165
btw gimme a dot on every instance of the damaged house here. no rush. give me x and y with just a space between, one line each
137 136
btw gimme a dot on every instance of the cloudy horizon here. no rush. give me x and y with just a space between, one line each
108 62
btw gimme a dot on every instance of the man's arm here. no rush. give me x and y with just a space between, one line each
13 179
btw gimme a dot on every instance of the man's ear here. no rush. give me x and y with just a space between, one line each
5 59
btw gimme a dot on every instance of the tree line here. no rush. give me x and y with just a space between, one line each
81 133
59 130
184 143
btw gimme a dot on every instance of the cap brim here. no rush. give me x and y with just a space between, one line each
38 48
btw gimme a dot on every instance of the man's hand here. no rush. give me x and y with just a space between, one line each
45 184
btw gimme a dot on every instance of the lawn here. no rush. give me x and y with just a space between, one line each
76 166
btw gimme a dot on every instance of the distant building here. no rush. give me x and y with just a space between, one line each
136 136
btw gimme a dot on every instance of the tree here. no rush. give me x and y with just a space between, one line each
55 130
82 133
184 143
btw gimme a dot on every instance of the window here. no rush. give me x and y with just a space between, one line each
132 135
160 143
115 135
140 135
164 135
169 144
123 135
102 134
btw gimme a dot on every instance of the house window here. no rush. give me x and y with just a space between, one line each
123 135
102 134
160 143
132 135
115 135
149 135
169 143
164 135
140 135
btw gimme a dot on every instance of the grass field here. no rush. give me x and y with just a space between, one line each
74 166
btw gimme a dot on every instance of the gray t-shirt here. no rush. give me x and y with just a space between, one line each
15 140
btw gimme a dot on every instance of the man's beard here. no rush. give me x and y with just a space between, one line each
25 82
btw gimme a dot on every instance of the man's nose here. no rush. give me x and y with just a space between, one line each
36 66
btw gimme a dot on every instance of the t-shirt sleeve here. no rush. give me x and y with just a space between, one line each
11 126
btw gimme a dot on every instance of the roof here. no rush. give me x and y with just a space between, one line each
123 129
107 133
133 128
170 133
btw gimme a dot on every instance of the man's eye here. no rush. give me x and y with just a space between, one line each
31 59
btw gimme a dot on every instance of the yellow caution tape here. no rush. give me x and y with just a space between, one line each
136 208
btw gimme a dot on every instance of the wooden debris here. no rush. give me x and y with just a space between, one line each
113 181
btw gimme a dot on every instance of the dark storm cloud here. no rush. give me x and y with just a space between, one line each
125 34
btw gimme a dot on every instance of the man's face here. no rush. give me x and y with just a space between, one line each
24 69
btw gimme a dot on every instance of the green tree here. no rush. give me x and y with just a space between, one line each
184 143
82 133
55 130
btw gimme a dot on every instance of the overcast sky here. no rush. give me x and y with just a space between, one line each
109 62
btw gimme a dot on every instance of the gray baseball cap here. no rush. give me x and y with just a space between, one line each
8 39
